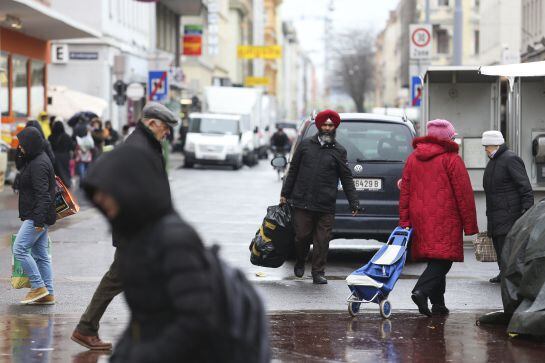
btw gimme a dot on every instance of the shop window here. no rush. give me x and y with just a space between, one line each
4 85
20 87
37 96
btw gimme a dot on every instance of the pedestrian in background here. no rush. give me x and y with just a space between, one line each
148 135
99 136
43 119
507 188
37 211
437 201
84 151
280 141
112 137
63 146
311 187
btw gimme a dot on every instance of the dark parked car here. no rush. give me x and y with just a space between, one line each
377 148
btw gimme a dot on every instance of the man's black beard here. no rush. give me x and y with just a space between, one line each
327 137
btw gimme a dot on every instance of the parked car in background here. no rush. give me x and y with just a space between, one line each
377 147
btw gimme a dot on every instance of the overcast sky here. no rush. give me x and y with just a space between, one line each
308 18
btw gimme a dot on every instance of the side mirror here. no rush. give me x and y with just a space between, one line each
279 162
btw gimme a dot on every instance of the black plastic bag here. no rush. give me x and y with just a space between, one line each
274 241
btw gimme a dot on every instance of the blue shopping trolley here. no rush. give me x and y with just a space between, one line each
373 282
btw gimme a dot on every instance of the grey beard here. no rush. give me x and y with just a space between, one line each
327 137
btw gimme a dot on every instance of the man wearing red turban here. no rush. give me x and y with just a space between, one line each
311 187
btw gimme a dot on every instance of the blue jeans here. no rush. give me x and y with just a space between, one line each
82 169
30 248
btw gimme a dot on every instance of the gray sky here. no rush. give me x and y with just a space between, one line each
308 18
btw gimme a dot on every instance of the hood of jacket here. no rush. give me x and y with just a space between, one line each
130 175
428 147
37 126
31 141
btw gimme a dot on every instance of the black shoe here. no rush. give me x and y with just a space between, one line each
299 270
438 309
422 302
319 279
495 280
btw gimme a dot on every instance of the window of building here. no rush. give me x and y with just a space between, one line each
477 44
443 2
443 41
20 87
37 97
4 85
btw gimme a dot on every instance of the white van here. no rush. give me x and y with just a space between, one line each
218 139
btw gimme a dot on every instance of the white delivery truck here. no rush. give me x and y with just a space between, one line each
245 103
218 139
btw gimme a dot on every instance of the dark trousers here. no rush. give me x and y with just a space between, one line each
498 242
312 227
433 281
110 286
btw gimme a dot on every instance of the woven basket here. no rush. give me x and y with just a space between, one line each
484 248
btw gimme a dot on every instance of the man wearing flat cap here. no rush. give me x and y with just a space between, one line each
156 124
311 187
507 189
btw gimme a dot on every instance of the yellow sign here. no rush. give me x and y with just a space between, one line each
264 52
256 81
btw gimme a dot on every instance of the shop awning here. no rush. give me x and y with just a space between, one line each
532 69
66 102
42 22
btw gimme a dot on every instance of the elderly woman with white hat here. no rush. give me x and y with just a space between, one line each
507 188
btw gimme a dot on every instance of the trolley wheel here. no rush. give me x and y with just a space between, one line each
353 308
385 309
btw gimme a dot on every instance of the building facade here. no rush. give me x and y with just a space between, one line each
26 30
500 32
533 30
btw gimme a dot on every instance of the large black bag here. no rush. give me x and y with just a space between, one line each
245 337
274 241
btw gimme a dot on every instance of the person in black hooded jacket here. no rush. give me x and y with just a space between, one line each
19 157
507 188
37 211
167 281
62 145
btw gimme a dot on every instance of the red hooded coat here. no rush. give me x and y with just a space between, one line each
437 200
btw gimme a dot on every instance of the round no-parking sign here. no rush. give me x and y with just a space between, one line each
420 41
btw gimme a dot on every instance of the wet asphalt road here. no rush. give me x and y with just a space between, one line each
308 322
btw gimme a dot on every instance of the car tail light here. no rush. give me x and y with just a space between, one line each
399 184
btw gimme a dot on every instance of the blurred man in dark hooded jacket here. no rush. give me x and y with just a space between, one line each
166 278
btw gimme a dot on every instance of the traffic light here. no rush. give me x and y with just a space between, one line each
120 89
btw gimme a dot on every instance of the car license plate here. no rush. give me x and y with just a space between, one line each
368 184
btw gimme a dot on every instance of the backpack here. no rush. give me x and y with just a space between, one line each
244 328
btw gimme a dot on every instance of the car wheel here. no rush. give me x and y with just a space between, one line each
188 165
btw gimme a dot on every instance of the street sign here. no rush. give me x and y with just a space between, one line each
420 38
263 52
256 81
135 91
59 53
157 85
416 91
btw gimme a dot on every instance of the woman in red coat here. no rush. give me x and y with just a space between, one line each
437 201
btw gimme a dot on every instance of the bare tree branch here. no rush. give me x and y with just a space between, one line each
353 69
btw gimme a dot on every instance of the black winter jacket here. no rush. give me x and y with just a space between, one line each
313 177
36 182
166 278
508 191
144 139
